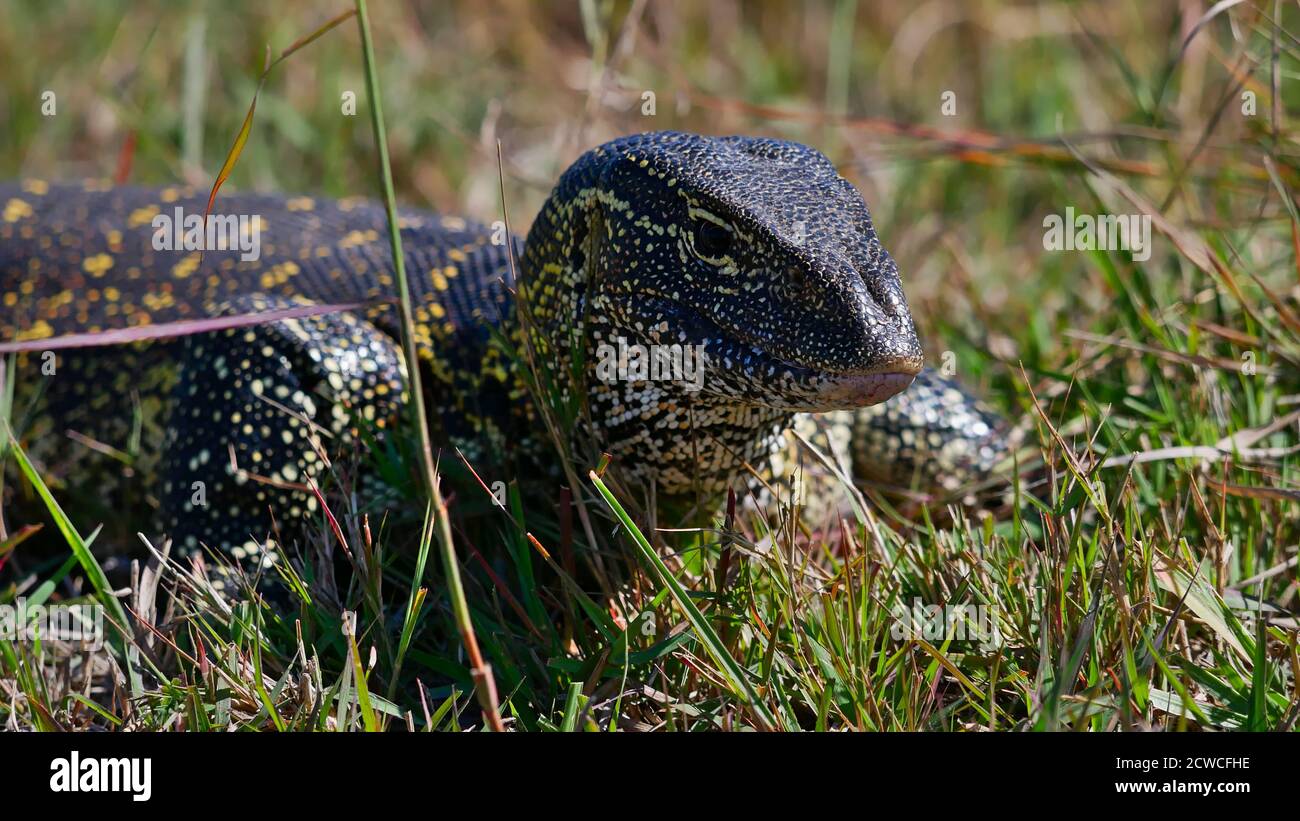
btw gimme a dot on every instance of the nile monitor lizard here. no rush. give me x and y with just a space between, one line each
755 249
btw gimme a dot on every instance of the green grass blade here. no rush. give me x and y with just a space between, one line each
737 678
89 564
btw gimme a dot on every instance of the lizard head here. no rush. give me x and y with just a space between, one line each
753 250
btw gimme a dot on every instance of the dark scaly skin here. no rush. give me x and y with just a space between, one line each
754 248
80 259
940 440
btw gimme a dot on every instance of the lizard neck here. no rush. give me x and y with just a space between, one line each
666 431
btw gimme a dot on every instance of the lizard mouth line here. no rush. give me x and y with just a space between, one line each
839 391
818 389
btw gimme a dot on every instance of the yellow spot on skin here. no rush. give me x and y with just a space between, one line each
185 267
97 265
279 274
169 194
16 209
11 299
355 238
157 302
37 187
300 204
40 330
142 216
456 254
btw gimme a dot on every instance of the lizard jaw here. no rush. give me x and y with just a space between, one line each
841 391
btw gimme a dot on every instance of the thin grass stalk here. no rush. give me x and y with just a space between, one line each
484 685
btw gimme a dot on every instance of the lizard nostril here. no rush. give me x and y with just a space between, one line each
880 276
887 296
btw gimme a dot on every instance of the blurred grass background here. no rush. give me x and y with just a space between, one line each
1147 353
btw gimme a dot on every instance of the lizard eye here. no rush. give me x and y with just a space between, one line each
712 241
